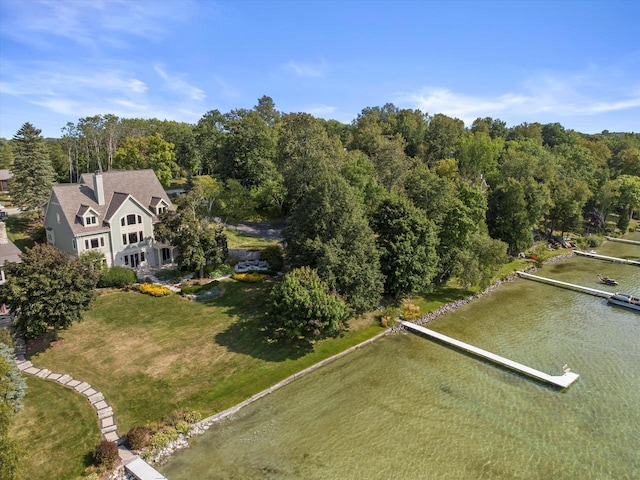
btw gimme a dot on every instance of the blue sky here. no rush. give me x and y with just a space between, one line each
573 62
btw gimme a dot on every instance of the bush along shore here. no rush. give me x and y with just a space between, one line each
160 456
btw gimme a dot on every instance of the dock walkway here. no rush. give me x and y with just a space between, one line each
570 286
622 240
558 380
605 257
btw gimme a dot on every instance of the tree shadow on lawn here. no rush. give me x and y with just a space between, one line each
249 334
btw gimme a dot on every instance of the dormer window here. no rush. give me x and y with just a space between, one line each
90 220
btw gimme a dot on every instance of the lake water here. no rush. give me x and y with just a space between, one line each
407 408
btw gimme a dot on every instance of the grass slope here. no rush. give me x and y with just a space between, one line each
57 429
150 356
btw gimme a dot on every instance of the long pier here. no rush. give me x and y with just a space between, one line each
622 240
558 380
604 257
570 286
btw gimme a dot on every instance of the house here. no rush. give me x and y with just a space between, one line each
5 176
113 212
8 253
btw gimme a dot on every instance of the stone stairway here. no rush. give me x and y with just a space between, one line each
103 410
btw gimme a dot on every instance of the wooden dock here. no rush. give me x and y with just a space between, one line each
604 257
558 380
622 240
570 286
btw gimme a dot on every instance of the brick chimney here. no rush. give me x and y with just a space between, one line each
98 187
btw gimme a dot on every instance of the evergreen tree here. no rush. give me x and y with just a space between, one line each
33 174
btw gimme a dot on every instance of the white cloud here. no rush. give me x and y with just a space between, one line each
90 23
319 110
307 69
579 94
178 84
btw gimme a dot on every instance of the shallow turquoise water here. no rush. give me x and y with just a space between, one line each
405 407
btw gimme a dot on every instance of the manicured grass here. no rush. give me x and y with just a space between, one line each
150 356
57 429
237 239
17 226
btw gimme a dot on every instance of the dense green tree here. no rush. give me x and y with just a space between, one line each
33 175
327 230
442 136
209 136
305 154
148 152
249 148
407 241
478 264
302 307
48 289
199 242
629 194
6 154
477 154
531 131
508 218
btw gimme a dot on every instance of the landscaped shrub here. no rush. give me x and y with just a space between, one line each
6 338
274 256
191 416
171 433
249 277
219 271
106 454
117 277
410 311
193 289
182 427
154 290
159 440
166 275
137 437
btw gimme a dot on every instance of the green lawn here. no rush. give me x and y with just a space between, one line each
58 431
237 239
150 356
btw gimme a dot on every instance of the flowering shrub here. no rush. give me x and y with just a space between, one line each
410 311
249 277
154 290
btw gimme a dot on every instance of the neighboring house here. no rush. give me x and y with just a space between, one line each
112 212
5 176
8 253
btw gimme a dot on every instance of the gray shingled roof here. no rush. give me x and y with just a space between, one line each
9 253
142 185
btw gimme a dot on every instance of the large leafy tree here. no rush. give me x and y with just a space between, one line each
199 242
328 231
48 290
407 241
33 174
148 152
303 307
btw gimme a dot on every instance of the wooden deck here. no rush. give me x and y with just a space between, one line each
558 380
570 286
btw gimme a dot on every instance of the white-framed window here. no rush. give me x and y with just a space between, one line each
92 243
90 220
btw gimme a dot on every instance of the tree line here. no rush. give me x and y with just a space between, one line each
392 203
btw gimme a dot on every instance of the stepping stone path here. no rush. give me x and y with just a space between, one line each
108 426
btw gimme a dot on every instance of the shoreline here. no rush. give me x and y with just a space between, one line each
199 428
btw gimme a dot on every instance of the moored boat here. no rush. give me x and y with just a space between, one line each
607 280
625 300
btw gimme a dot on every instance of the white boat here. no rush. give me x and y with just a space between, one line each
625 300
